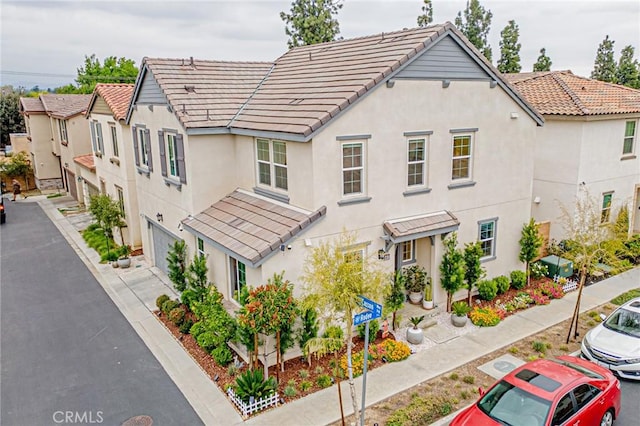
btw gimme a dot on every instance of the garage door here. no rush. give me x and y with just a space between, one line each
71 182
161 242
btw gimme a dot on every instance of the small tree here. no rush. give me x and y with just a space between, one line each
451 268
628 70
11 121
509 61
395 297
107 213
197 277
426 17
473 270
604 67
530 243
476 26
18 165
543 63
177 264
311 22
309 328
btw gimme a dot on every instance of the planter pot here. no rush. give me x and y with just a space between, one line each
415 335
124 263
427 304
415 297
114 263
459 320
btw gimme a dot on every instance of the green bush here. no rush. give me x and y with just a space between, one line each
197 329
305 385
487 289
502 283
251 383
207 341
186 325
222 355
625 297
518 279
290 391
374 326
422 410
110 256
538 270
160 300
169 305
323 380
539 347
188 297
176 315
334 332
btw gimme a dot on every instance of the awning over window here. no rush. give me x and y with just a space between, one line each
250 227
415 227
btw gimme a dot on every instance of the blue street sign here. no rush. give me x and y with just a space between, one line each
372 306
363 317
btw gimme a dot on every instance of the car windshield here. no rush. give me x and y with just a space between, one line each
624 321
511 405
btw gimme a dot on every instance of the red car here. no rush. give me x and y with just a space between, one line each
548 392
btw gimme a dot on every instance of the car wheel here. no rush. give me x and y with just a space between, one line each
607 419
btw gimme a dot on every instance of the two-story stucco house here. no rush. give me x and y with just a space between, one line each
59 133
400 138
111 142
589 142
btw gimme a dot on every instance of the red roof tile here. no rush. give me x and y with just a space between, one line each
117 97
85 161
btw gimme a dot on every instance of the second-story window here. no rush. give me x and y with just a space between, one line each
172 160
352 168
629 137
120 195
461 162
200 247
272 163
114 140
416 159
63 131
99 138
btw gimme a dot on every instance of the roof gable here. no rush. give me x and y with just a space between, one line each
116 97
65 106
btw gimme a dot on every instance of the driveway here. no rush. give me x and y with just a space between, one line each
68 355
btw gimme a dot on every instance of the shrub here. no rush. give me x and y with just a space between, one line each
251 383
197 329
502 283
539 298
518 279
319 370
469 379
324 381
110 256
625 297
207 341
394 350
186 325
334 332
188 297
460 308
487 289
551 289
539 347
421 410
160 300
303 374
357 363
169 305
290 391
305 385
485 317
538 270
232 370
454 376
222 355
176 315
374 326
513 350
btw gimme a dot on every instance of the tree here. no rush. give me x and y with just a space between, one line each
111 70
311 22
451 268
530 243
16 165
107 212
543 63
11 121
604 68
509 61
473 270
395 297
334 278
476 26
197 277
177 265
628 71
427 14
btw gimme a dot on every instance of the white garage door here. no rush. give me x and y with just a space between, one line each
162 240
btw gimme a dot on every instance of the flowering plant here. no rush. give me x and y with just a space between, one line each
486 317
551 289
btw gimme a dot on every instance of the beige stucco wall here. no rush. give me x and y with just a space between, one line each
79 143
46 165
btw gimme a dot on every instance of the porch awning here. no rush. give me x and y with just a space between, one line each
415 227
250 227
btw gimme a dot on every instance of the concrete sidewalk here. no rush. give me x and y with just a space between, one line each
134 292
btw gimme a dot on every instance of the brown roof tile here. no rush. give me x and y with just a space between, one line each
65 106
31 105
249 226
563 93
117 97
86 161
425 225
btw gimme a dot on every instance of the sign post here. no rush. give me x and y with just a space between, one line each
373 311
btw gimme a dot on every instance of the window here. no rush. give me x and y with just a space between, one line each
352 168
629 137
144 146
272 163
416 162
606 207
120 195
487 237
114 140
63 130
354 256
564 410
238 277
172 158
99 139
584 393
407 251
461 165
200 242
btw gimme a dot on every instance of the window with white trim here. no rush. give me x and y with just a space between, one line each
271 157
461 161
416 162
629 137
487 237
200 244
353 168
606 207
172 155
238 276
114 140
62 125
143 149
408 251
99 138
120 195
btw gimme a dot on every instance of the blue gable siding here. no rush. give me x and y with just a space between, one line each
150 92
445 60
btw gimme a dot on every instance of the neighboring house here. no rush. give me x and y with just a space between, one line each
87 177
399 137
113 154
589 142
58 134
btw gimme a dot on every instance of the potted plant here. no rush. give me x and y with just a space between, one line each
124 261
415 277
459 311
415 334
427 301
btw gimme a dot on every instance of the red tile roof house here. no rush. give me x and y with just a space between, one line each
112 147
401 137
589 142
58 134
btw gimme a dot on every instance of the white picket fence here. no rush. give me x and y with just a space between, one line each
568 286
256 405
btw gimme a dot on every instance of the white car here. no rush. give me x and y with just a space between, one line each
615 342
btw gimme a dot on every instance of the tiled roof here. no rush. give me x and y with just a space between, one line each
31 105
424 225
563 93
65 106
117 97
249 226
206 93
86 161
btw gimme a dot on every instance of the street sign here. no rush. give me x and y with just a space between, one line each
372 306
363 317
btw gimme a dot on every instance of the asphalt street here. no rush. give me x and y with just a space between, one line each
630 412
68 355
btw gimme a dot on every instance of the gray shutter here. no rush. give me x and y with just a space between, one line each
136 154
182 171
92 126
163 155
147 145
398 258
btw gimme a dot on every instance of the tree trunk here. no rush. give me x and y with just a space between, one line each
339 387
278 356
255 350
469 297
526 265
393 321
265 357
352 385
573 327
449 298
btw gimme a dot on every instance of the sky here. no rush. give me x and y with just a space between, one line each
44 42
